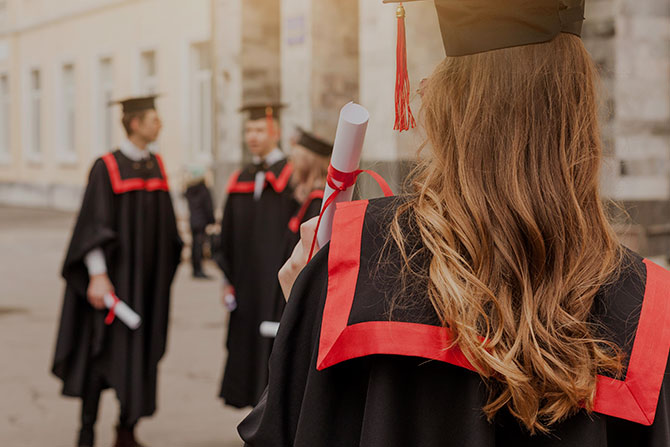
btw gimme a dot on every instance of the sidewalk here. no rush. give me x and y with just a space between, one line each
32 411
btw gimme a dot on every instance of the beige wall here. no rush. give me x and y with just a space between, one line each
45 34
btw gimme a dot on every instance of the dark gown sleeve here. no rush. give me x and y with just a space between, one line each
208 205
313 210
95 227
274 421
224 253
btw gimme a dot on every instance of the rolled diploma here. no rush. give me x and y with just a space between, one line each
346 157
124 313
269 329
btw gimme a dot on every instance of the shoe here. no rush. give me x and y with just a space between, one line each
201 275
126 438
86 437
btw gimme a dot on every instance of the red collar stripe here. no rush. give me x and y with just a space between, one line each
634 399
235 187
296 221
120 186
340 342
279 184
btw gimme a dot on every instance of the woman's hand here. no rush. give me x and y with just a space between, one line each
292 268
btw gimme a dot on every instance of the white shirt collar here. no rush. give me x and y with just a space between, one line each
133 152
273 157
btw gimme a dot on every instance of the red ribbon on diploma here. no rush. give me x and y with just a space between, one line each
109 319
346 180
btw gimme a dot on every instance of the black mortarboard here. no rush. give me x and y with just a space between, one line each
257 111
314 143
476 26
131 105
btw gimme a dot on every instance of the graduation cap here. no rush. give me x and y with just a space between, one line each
139 104
257 111
476 26
314 143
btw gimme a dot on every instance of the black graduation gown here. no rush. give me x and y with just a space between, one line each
346 372
310 208
200 206
127 212
251 254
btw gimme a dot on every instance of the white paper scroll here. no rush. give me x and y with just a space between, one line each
269 329
346 157
123 312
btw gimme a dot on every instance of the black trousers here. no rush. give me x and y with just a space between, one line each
95 384
196 249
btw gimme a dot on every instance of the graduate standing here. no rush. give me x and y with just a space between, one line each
492 305
201 214
125 242
310 156
255 219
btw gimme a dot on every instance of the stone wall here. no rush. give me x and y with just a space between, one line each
320 59
247 70
630 41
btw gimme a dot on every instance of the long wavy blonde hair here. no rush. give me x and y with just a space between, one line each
508 209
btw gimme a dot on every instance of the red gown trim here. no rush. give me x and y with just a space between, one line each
120 186
634 399
296 221
235 187
279 184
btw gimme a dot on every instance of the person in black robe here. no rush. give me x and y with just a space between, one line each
360 378
201 211
364 357
310 156
125 242
255 218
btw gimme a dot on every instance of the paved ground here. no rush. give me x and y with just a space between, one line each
32 411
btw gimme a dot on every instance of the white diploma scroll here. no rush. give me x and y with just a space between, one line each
123 312
346 157
269 329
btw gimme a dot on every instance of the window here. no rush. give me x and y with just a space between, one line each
105 115
67 114
201 102
35 115
4 118
148 73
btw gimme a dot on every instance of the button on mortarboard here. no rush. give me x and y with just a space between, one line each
314 143
139 104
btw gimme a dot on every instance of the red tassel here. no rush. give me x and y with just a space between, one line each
404 120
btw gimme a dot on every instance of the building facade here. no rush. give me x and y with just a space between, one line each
334 52
61 63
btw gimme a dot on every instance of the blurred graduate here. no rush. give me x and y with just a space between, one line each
125 245
256 214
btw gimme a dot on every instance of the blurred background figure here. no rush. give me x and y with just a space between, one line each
310 156
201 215
125 246
255 220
